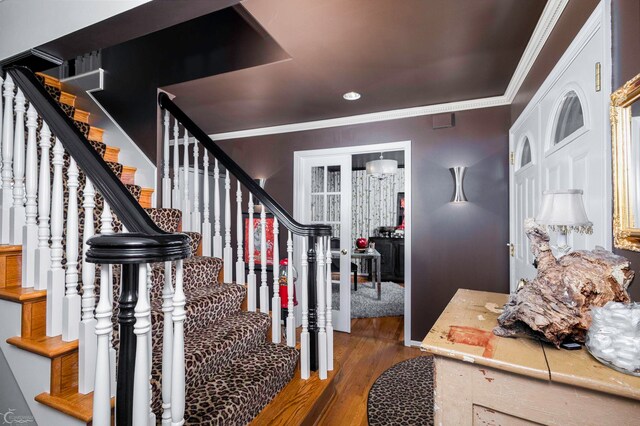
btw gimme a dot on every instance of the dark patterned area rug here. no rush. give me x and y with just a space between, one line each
365 303
403 395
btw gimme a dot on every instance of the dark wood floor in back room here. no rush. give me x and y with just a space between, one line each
374 345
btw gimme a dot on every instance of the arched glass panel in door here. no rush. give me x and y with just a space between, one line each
569 118
525 153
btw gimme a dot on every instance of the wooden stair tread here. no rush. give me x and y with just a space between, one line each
112 153
300 402
81 116
50 81
50 347
145 197
74 404
96 134
22 294
67 98
128 175
8 248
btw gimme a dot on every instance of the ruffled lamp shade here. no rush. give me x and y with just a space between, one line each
563 211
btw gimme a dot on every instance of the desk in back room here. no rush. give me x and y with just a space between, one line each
481 378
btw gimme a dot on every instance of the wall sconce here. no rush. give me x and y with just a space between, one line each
257 208
262 182
458 178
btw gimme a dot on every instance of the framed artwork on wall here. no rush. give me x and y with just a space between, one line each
400 210
257 235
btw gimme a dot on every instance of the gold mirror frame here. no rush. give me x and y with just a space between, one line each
625 234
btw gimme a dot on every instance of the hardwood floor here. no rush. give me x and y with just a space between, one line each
374 345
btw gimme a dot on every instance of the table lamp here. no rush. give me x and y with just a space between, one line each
563 211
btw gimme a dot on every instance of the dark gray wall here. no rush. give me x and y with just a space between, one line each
454 246
212 44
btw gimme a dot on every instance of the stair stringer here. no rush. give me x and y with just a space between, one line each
84 85
32 372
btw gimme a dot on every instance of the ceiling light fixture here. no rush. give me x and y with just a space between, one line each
351 96
381 168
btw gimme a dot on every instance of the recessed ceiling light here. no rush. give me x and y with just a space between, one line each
351 96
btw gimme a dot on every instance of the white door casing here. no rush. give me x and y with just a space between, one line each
581 159
298 207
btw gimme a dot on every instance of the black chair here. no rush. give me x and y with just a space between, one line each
335 263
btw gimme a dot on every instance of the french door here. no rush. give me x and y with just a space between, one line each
326 199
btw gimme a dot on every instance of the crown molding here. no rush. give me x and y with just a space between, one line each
580 41
550 15
365 118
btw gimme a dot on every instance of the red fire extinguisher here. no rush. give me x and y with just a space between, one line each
283 281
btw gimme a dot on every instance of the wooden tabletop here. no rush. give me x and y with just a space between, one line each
464 332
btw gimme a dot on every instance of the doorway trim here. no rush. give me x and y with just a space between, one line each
405 146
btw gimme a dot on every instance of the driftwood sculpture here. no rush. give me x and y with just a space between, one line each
555 306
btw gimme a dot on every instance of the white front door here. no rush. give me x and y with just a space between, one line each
566 128
526 196
326 197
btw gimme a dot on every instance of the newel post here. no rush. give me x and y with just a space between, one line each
134 251
312 293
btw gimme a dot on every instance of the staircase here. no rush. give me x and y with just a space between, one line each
233 361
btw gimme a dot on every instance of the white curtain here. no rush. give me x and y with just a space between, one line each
374 204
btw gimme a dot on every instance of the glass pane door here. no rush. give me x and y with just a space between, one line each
328 186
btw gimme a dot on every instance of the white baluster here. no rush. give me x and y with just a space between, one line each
321 292
30 229
104 373
87 341
166 180
175 199
206 223
71 303
217 238
106 283
43 253
152 416
186 205
167 343
305 360
276 329
6 199
106 228
227 257
264 289
196 219
1 119
251 277
178 368
141 329
56 276
329 316
240 274
16 211
291 320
